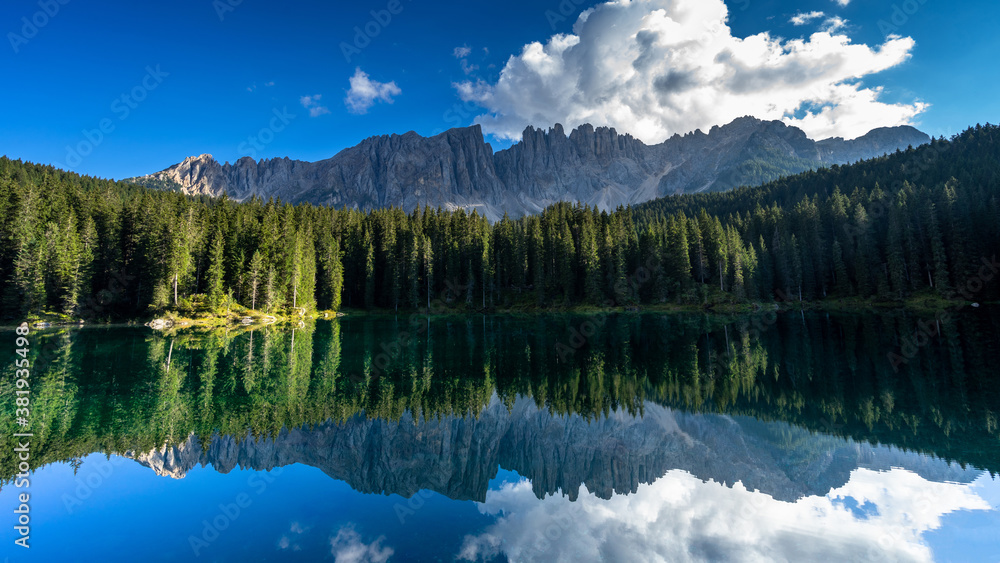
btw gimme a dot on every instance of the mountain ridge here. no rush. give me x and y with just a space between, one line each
597 166
458 456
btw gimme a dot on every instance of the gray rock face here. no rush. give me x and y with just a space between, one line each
597 166
458 456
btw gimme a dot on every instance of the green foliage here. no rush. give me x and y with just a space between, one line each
914 222
216 274
121 389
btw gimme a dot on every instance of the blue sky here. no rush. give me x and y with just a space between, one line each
256 514
235 78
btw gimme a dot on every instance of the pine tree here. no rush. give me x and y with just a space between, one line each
736 261
295 266
369 269
939 256
895 251
536 258
590 262
414 263
795 251
306 287
428 259
181 240
93 247
765 271
863 251
565 257
958 231
216 273
505 251
89 245
255 276
842 281
270 289
29 254
678 255
697 258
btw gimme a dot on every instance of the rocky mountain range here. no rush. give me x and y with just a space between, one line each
596 166
457 456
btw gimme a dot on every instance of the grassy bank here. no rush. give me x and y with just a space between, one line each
927 303
194 313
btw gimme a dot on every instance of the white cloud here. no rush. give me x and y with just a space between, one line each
479 91
347 547
468 68
253 86
830 25
365 92
462 54
803 18
681 518
843 2
290 540
654 68
834 24
312 104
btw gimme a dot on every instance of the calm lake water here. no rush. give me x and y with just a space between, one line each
555 438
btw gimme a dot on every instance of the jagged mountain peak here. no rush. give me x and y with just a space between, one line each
594 165
459 455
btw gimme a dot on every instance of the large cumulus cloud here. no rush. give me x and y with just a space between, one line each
658 67
876 516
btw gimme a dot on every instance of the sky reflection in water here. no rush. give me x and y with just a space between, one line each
743 449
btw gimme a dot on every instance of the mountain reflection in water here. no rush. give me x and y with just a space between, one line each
660 437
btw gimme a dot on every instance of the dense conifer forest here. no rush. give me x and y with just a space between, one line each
921 221
137 391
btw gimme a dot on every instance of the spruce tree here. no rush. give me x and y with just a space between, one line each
255 275
216 273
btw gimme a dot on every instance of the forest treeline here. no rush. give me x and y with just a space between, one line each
917 221
122 389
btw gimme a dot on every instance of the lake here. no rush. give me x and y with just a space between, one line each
641 437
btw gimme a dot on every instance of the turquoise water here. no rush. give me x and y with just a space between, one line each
795 437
